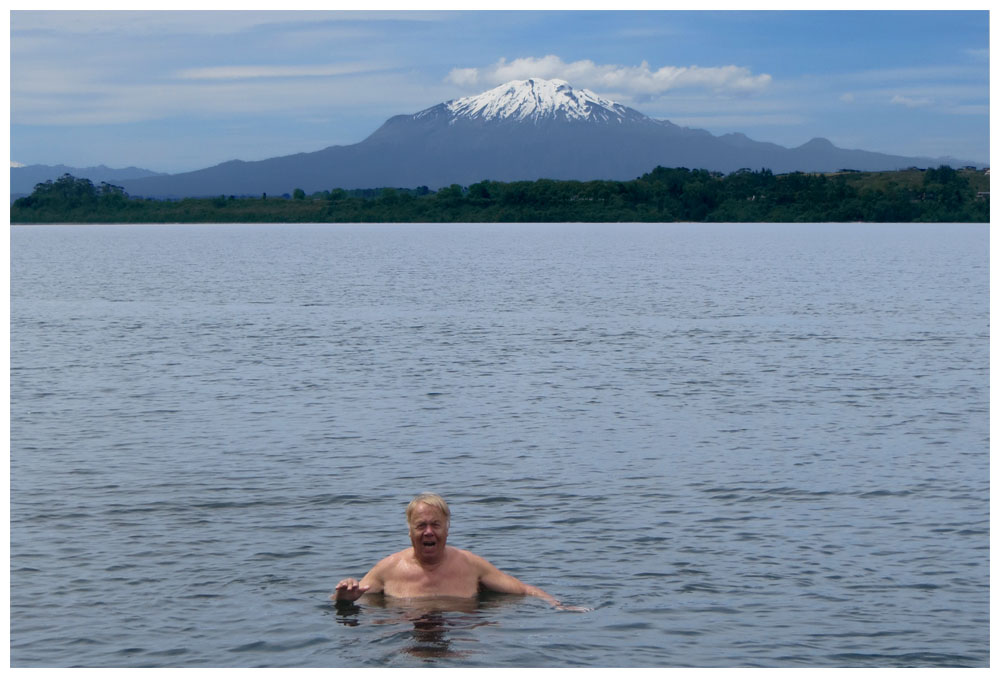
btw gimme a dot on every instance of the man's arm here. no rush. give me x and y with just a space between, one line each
351 589
493 579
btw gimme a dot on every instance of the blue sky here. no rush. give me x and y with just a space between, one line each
178 91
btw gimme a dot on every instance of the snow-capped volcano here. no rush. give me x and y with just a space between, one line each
535 99
521 130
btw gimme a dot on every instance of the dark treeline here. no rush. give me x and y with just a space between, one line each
663 195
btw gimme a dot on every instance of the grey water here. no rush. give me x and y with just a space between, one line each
741 445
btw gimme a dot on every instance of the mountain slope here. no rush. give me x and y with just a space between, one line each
522 130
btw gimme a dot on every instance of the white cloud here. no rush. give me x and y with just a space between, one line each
611 79
916 73
464 77
970 109
195 22
251 72
146 23
847 97
911 102
648 32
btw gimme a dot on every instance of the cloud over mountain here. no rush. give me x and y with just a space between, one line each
641 80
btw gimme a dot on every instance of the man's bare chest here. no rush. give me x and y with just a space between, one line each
412 581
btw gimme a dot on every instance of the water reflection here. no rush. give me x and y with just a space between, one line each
437 623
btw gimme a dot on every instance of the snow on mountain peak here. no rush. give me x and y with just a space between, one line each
535 99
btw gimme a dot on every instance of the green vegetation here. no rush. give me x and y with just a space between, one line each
663 195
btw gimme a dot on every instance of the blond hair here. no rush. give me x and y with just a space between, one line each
431 499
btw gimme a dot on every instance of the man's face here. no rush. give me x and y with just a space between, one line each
428 532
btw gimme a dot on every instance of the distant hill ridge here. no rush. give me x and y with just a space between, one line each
24 179
522 130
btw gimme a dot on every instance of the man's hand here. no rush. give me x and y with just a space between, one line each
350 590
573 608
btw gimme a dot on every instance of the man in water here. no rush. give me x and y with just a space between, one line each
431 567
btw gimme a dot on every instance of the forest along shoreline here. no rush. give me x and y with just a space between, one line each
941 194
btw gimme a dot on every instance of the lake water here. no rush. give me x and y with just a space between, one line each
742 445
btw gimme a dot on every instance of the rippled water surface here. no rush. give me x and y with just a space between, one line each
753 445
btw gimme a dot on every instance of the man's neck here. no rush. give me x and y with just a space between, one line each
430 564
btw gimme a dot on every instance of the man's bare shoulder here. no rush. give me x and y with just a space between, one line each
470 559
392 560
